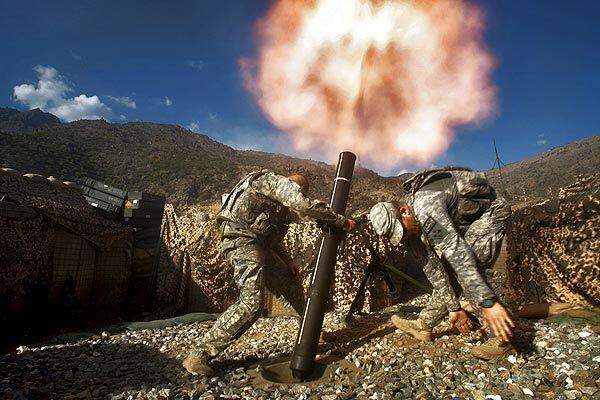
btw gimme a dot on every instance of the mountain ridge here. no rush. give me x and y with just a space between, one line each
165 159
543 174
13 120
193 169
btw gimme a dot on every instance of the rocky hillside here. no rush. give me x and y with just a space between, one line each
546 173
194 169
12 120
167 159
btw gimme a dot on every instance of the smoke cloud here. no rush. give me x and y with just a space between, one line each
389 80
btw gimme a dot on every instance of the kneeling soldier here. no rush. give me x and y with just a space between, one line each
457 221
253 221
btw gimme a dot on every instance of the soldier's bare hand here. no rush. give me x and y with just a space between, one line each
497 318
294 268
349 225
461 321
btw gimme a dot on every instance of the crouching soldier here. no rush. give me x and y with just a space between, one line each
253 221
455 218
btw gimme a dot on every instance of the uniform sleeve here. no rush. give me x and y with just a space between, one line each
431 211
281 189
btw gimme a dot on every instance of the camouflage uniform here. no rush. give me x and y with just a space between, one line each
460 247
254 220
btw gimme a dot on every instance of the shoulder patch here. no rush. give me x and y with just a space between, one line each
434 230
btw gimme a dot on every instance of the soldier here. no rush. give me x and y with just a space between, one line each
254 220
458 223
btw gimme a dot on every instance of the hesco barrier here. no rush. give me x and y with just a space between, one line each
194 276
554 248
53 245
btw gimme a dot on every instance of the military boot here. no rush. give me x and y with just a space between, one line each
493 348
198 364
413 327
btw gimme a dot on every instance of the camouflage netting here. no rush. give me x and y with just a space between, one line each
33 211
192 273
194 276
554 248
63 204
28 261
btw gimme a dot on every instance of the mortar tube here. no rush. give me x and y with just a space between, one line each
303 360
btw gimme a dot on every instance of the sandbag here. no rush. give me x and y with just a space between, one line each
163 323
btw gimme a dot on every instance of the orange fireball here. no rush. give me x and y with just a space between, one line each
387 79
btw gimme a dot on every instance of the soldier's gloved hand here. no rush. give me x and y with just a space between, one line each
461 321
295 268
498 319
349 225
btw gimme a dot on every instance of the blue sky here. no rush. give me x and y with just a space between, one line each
177 62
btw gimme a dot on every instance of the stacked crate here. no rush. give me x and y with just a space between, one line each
143 212
109 200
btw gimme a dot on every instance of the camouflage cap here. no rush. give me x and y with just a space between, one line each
385 222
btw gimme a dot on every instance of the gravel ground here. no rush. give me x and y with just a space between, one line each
555 361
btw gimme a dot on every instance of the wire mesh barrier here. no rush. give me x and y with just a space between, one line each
73 264
112 273
55 246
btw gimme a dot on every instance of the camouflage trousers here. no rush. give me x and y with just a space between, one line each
485 237
255 269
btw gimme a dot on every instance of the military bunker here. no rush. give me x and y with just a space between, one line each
60 251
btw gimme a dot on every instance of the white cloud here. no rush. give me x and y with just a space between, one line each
50 95
167 101
124 101
541 140
212 116
195 64
194 127
81 107
50 88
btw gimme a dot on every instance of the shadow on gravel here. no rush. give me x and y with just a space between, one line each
364 330
86 371
352 338
524 337
358 332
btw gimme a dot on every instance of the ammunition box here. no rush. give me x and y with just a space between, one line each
102 205
146 237
105 197
94 184
145 200
142 218
144 213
